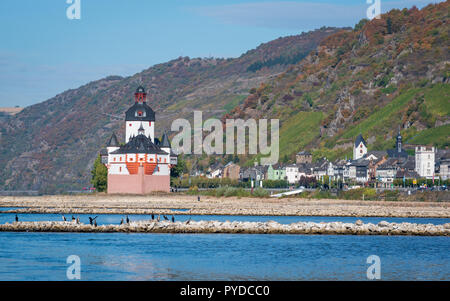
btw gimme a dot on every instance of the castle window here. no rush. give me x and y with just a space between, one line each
140 114
120 169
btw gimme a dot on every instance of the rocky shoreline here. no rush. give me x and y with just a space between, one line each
270 227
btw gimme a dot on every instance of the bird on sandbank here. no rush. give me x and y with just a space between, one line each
91 220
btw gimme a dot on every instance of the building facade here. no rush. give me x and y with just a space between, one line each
141 165
359 148
425 157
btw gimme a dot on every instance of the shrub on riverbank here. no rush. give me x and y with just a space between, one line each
359 194
228 191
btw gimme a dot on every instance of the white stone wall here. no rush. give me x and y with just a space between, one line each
425 157
292 174
132 128
118 169
359 151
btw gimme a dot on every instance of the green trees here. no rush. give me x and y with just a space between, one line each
99 175
179 169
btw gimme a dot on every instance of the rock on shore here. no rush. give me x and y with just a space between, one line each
270 227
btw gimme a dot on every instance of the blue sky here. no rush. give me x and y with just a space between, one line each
43 53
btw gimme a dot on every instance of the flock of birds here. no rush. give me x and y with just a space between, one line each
93 221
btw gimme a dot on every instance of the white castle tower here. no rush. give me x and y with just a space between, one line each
140 115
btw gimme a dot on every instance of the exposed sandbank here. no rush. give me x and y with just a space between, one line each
169 203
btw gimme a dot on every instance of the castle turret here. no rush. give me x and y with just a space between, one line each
139 115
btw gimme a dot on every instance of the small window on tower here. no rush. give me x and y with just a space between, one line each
139 113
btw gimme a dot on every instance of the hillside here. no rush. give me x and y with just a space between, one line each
51 146
373 79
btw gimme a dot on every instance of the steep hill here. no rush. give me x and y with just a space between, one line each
384 74
51 146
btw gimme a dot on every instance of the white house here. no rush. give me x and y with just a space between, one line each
425 157
292 174
360 148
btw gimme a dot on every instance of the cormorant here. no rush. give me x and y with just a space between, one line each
121 221
158 218
153 216
165 218
64 218
78 220
173 219
17 218
198 198
188 221
92 219
128 220
73 218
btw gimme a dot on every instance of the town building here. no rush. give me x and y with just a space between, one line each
303 157
141 165
359 148
215 171
292 174
442 164
276 172
398 151
231 171
255 173
425 156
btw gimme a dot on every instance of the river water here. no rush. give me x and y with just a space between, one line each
140 256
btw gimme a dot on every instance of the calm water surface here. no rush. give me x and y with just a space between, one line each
120 256
115 218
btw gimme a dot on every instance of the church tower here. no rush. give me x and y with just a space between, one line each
140 115
399 141
359 148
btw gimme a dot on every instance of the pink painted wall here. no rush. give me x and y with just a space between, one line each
138 184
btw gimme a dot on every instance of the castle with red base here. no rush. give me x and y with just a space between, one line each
142 165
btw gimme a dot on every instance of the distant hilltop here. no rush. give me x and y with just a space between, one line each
10 111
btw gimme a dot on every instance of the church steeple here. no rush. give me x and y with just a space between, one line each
399 141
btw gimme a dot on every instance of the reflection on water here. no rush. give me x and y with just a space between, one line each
120 256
